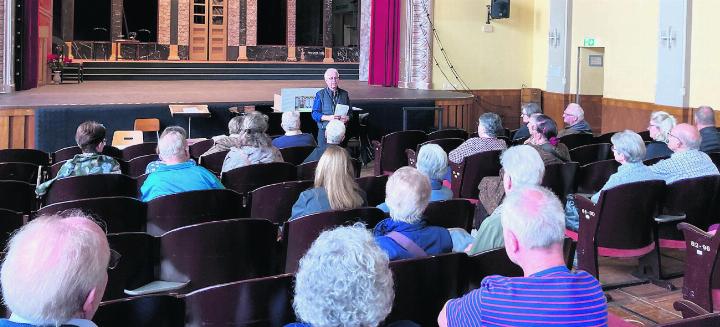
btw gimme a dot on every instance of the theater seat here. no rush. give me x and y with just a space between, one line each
390 150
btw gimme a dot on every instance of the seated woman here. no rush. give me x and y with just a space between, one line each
432 162
90 137
293 135
661 123
526 111
488 125
226 142
335 186
253 146
629 150
405 235
543 137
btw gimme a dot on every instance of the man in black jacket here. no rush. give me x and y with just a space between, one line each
705 123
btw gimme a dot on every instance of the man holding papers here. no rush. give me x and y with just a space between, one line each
330 103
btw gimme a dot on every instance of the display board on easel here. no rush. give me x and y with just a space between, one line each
300 99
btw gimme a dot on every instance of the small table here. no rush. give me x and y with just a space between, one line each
189 111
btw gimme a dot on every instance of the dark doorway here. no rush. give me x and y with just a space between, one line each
346 18
92 20
272 22
309 18
141 18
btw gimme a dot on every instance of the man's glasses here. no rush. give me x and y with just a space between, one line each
114 259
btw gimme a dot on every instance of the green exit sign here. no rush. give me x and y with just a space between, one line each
589 42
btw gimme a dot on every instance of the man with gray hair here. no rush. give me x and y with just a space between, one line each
705 123
526 111
687 161
488 126
533 226
326 100
334 133
179 174
290 122
55 271
574 118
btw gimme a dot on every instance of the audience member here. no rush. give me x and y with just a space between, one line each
705 123
335 187
405 235
574 118
179 173
55 271
488 125
533 229
526 111
661 123
432 161
293 135
543 137
334 135
326 101
686 161
90 137
629 150
522 167
154 165
254 146
227 142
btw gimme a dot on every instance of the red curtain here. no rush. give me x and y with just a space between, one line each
384 43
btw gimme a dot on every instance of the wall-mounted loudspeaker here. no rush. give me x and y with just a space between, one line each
499 9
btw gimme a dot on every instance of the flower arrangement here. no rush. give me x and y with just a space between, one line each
56 62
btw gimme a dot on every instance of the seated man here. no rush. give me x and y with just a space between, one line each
293 135
90 137
705 123
179 174
55 272
488 125
225 142
533 229
154 165
334 134
686 161
574 118
522 168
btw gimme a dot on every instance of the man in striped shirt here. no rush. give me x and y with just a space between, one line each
533 227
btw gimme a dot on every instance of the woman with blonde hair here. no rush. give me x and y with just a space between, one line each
335 188
659 127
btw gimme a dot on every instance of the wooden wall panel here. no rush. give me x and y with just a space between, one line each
455 112
634 115
505 103
592 105
553 105
17 129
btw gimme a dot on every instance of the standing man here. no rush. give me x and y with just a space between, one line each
705 123
325 102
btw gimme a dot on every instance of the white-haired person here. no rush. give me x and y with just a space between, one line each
254 146
405 234
661 123
179 173
574 118
90 137
687 161
334 135
548 294
326 100
489 124
55 271
154 165
432 161
521 167
705 124
290 122
334 187
226 142
629 150
526 111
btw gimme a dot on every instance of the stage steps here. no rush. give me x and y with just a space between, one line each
173 70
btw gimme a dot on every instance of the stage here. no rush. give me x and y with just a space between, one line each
52 112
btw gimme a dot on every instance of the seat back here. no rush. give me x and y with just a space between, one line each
218 252
447 144
454 213
306 171
560 178
448 133
90 186
112 151
140 260
136 167
423 285
19 171
200 147
694 197
214 161
374 187
645 135
466 175
391 154
147 124
701 265
491 262
604 138
248 178
592 177
275 201
265 301
173 211
715 157
296 154
123 139
32 156
575 140
9 222
17 196
142 311
65 154
55 168
120 214
299 234
138 150
586 154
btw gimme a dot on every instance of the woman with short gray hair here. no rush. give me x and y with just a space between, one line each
293 135
661 123
405 235
629 150
526 111
488 126
254 145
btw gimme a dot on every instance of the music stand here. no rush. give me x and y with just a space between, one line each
189 111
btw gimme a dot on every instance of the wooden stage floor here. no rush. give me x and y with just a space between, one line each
241 92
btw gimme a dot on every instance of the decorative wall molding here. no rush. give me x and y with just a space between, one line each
416 43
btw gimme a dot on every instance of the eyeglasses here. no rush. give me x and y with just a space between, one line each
114 259
677 138
568 114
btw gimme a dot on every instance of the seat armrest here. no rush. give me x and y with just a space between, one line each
689 309
669 218
157 287
411 157
375 144
584 205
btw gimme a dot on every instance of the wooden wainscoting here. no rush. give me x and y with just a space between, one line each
553 105
456 112
465 113
619 114
17 129
593 107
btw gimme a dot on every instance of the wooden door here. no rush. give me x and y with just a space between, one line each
218 30
199 30
208 28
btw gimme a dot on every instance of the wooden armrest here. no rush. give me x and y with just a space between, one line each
376 144
584 205
689 309
157 287
669 218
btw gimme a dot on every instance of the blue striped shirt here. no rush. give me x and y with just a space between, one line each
553 296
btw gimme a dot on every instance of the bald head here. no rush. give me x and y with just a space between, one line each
704 117
535 216
573 114
684 137
56 269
